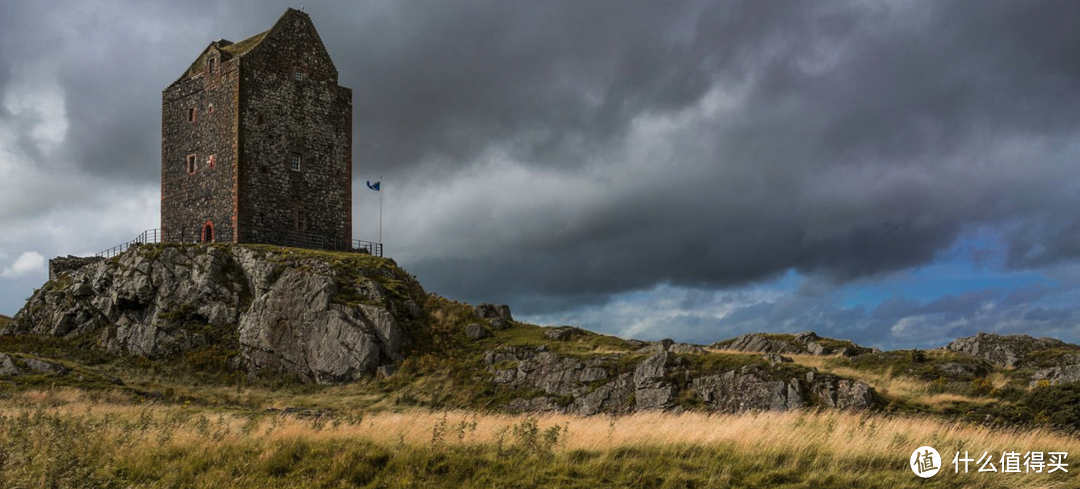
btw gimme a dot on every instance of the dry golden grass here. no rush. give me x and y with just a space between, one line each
792 431
843 447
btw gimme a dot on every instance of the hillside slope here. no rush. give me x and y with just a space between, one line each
259 327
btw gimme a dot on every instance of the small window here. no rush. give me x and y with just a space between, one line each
210 109
191 114
295 161
298 75
301 221
208 232
211 65
210 161
191 164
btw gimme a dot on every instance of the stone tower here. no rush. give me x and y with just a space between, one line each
256 143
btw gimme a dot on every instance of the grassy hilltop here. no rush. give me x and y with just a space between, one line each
192 419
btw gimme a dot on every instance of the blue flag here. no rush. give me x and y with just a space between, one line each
377 186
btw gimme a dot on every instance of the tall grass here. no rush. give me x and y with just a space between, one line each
72 439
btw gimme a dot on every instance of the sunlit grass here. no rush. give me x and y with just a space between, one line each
67 438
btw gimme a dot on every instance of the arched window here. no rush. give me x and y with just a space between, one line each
208 232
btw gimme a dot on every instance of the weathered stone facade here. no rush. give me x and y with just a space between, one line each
257 143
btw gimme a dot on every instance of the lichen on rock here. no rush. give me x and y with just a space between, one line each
321 317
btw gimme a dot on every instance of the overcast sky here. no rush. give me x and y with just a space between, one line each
898 173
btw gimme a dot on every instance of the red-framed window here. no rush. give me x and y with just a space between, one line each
207 235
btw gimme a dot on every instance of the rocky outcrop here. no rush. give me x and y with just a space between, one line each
1056 375
588 382
673 347
301 313
804 343
1008 351
492 311
597 384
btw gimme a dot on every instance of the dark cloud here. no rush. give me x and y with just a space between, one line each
553 154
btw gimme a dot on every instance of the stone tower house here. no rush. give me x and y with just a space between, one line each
256 143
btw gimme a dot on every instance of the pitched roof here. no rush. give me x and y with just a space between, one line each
227 49
230 50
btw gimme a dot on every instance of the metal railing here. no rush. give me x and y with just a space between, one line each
149 236
295 239
368 247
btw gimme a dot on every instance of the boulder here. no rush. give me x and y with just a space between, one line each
774 358
386 371
817 349
489 311
7 365
562 333
961 371
43 367
476 332
498 323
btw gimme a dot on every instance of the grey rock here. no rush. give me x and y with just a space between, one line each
7 365
562 333
632 343
476 332
802 343
737 392
386 371
1057 375
82 290
686 349
498 323
593 374
816 349
749 390
613 396
659 397
759 343
43 367
775 358
1009 351
961 371
650 370
293 329
488 311
281 306
673 347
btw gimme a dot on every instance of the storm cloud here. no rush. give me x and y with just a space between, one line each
562 156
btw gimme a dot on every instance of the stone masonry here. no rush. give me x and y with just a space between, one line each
257 143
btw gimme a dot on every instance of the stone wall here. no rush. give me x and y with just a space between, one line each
262 116
67 264
280 116
190 200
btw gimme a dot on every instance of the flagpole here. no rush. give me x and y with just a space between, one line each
380 208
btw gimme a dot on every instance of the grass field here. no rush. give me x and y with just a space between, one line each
73 438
